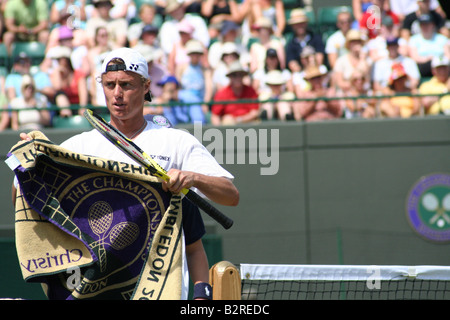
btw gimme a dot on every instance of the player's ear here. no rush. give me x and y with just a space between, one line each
148 93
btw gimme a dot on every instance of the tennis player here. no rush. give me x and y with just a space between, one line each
126 85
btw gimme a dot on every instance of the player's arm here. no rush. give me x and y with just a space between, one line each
218 189
198 268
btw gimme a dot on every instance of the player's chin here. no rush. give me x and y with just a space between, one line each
119 109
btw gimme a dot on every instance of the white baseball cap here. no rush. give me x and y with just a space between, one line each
133 61
440 61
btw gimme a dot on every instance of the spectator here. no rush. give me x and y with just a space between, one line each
156 70
21 67
117 28
4 114
274 99
70 85
193 6
265 41
196 77
271 62
61 10
308 58
359 107
168 33
178 112
404 7
314 108
25 20
233 111
78 52
123 9
274 11
149 37
301 38
439 83
70 14
230 54
381 77
372 19
356 58
359 7
377 48
147 17
426 45
216 12
229 32
94 60
335 44
401 104
411 24
178 55
30 110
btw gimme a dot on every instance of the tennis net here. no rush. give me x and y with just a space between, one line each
344 282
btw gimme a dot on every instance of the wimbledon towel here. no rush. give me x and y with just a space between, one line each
92 228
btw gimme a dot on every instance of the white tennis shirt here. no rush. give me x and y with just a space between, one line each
170 147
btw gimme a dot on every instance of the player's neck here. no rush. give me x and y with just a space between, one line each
131 128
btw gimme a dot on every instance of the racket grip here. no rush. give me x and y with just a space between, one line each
213 212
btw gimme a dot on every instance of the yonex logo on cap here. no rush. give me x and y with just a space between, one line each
132 61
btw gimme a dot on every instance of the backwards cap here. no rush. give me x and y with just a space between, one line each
133 62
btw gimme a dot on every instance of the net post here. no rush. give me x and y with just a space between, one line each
225 280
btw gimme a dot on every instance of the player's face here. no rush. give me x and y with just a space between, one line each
124 93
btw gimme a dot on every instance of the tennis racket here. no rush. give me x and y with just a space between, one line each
133 151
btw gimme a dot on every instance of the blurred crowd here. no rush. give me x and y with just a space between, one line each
229 61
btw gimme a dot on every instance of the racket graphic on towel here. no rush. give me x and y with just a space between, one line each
133 151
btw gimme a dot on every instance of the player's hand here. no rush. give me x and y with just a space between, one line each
25 137
179 180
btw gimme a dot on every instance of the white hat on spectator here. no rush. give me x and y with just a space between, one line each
236 67
229 48
275 77
59 52
194 46
440 61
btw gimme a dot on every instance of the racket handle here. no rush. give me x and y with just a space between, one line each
222 219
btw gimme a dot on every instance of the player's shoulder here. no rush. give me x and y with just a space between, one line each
165 130
158 121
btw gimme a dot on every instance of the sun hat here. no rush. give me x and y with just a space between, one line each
228 26
397 72
133 62
263 22
59 52
185 27
298 16
312 72
275 77
194 46
229 48
65 33
168 79
353 35
236 67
